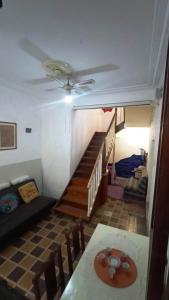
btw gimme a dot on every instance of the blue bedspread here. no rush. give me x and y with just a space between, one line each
124 167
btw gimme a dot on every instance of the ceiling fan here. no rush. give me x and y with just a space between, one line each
62 72
77 87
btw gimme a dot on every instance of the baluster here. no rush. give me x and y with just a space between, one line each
98 179
96 176
90 198
88 209
100 168
101 165
94 187
92 190
95 180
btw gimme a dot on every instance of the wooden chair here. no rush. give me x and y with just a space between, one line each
74 237
54 286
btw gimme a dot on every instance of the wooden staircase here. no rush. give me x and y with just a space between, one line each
74 201
88 184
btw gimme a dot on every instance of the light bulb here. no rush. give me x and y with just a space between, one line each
68 99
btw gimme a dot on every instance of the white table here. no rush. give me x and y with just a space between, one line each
85 284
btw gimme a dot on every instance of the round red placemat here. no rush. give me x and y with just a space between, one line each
122 278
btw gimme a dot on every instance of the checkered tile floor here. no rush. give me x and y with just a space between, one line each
22 258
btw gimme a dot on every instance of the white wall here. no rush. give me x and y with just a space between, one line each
56 137
138 116
32 168
115 97
65 136
17 107
106 119
154 141
84 124
129 140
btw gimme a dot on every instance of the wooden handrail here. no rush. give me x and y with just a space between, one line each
111 121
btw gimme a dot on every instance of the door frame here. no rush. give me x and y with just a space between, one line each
159 232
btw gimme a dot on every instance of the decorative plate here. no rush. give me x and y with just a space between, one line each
115 269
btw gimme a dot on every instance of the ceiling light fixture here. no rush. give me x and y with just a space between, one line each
68 98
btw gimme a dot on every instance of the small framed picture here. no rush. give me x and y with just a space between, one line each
8 136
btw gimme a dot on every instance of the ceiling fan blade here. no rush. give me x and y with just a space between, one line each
82 90
40 80
33 50
96 70
85 82
50 90
53 89
85 88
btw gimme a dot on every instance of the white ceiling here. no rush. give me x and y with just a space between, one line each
84 33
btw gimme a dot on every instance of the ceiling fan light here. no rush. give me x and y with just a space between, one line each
68 98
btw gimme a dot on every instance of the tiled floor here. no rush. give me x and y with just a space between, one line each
22 258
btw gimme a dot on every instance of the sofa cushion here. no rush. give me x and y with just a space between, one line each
24 215
8 202
28 192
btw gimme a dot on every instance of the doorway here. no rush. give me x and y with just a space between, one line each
130 167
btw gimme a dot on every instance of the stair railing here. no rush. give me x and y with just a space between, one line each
110 138
100 165
94 181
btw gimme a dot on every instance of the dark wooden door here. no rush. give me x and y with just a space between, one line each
160 217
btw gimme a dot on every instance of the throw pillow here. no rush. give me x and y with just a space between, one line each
8 202
28 192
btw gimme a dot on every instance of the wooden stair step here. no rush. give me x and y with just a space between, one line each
84 170
77 191
97 139
93 148
91 153
86 165
88 159
96 142
100 133
77 188
81 200
72 211
83 173
79 181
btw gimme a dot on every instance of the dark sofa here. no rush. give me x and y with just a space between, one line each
16 222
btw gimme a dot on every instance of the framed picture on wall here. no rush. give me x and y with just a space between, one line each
8 136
